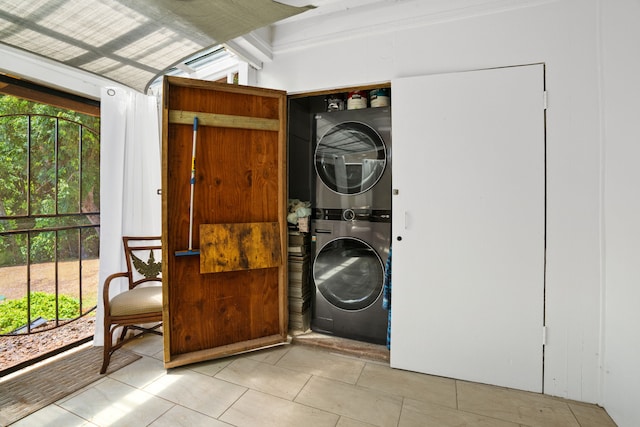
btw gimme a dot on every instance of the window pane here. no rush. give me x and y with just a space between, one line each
68 167
43 166
13 158
13 270
91 173
90 265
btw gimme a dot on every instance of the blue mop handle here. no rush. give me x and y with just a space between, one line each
193 153
193 181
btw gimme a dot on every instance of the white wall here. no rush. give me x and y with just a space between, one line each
621 89
564 35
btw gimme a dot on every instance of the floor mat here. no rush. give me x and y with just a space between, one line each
25 393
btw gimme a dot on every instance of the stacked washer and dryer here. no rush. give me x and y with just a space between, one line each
351 229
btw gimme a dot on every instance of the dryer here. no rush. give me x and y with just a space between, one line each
352 159
348 274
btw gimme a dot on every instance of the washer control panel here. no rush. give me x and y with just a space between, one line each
353 214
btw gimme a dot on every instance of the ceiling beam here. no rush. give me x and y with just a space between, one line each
252 48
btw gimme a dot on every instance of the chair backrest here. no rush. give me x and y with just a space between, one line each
144 259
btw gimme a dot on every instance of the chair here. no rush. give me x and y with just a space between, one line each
142 302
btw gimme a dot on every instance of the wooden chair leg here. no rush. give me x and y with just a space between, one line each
108 339
123 334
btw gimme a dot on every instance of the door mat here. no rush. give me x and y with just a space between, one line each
33 390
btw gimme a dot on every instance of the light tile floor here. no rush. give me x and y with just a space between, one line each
299 385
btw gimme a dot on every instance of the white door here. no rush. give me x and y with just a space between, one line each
469 225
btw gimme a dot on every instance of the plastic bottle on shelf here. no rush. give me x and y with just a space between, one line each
356 100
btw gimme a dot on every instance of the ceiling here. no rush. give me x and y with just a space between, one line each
136 42
133 41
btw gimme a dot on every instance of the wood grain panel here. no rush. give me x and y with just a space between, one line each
232 247
223 308
223 120
234 100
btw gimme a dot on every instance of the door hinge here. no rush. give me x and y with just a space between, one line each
545 100
544 335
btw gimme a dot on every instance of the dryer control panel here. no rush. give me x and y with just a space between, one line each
354 214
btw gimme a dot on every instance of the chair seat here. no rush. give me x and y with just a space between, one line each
136 301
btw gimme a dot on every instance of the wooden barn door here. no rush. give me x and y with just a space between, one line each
228 294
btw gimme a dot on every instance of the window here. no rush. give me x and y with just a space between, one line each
49 206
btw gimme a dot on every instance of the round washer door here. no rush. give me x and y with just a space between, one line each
348 273
350 158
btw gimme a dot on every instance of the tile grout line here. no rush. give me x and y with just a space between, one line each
163 414
219 417
401 410
574 415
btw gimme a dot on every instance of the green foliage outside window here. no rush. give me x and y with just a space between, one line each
13 313
47 185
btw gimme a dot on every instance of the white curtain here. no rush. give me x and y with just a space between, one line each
130 177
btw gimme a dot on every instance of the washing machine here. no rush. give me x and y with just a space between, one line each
352 159
348 274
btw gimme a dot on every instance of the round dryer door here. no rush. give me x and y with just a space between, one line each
350 158
348 273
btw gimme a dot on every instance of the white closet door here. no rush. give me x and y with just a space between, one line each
469 226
